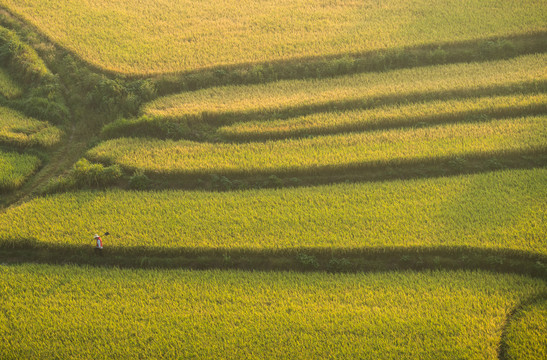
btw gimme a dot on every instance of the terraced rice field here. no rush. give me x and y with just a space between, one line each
145 37
19 130
15 169
524 336
9 88
81 312
498 210
337 152
434 167
420 83
418 114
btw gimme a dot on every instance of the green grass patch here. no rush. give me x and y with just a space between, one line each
82 312
326 153
15 169
498 210
147 37
19 130
416 114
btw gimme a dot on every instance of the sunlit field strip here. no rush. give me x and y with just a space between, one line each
326 152
387 116
15 169
81 312
20 130
158 36
499 210
284 96
525 334
8 87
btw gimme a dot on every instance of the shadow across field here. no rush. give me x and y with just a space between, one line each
16 251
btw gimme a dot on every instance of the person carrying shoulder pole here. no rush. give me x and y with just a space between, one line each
99 241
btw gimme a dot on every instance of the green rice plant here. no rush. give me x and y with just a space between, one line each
498 210
15 169
8 87
328 153
163 36
74 312
525 333
416 114
20 58
300 97
19 130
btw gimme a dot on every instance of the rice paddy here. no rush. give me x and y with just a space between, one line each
399 115
236 103
338 152
151 37
326 138
19 130
82 312
8 87
15 169
497 210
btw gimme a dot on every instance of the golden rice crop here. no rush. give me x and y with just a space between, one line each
498 210
74 312
20 130
15 169
158 36
525 333
345 151
362 90
388 116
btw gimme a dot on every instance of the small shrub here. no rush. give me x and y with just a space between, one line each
496 49
273 181
308 261
139 181
339 264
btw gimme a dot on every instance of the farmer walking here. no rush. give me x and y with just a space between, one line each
99 246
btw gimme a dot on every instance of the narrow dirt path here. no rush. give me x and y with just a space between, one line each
71 149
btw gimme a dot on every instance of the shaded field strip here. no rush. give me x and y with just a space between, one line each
16 251
484 49
514 316
195 127
401 170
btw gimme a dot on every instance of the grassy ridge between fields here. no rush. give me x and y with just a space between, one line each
497 210
82 312
145 37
